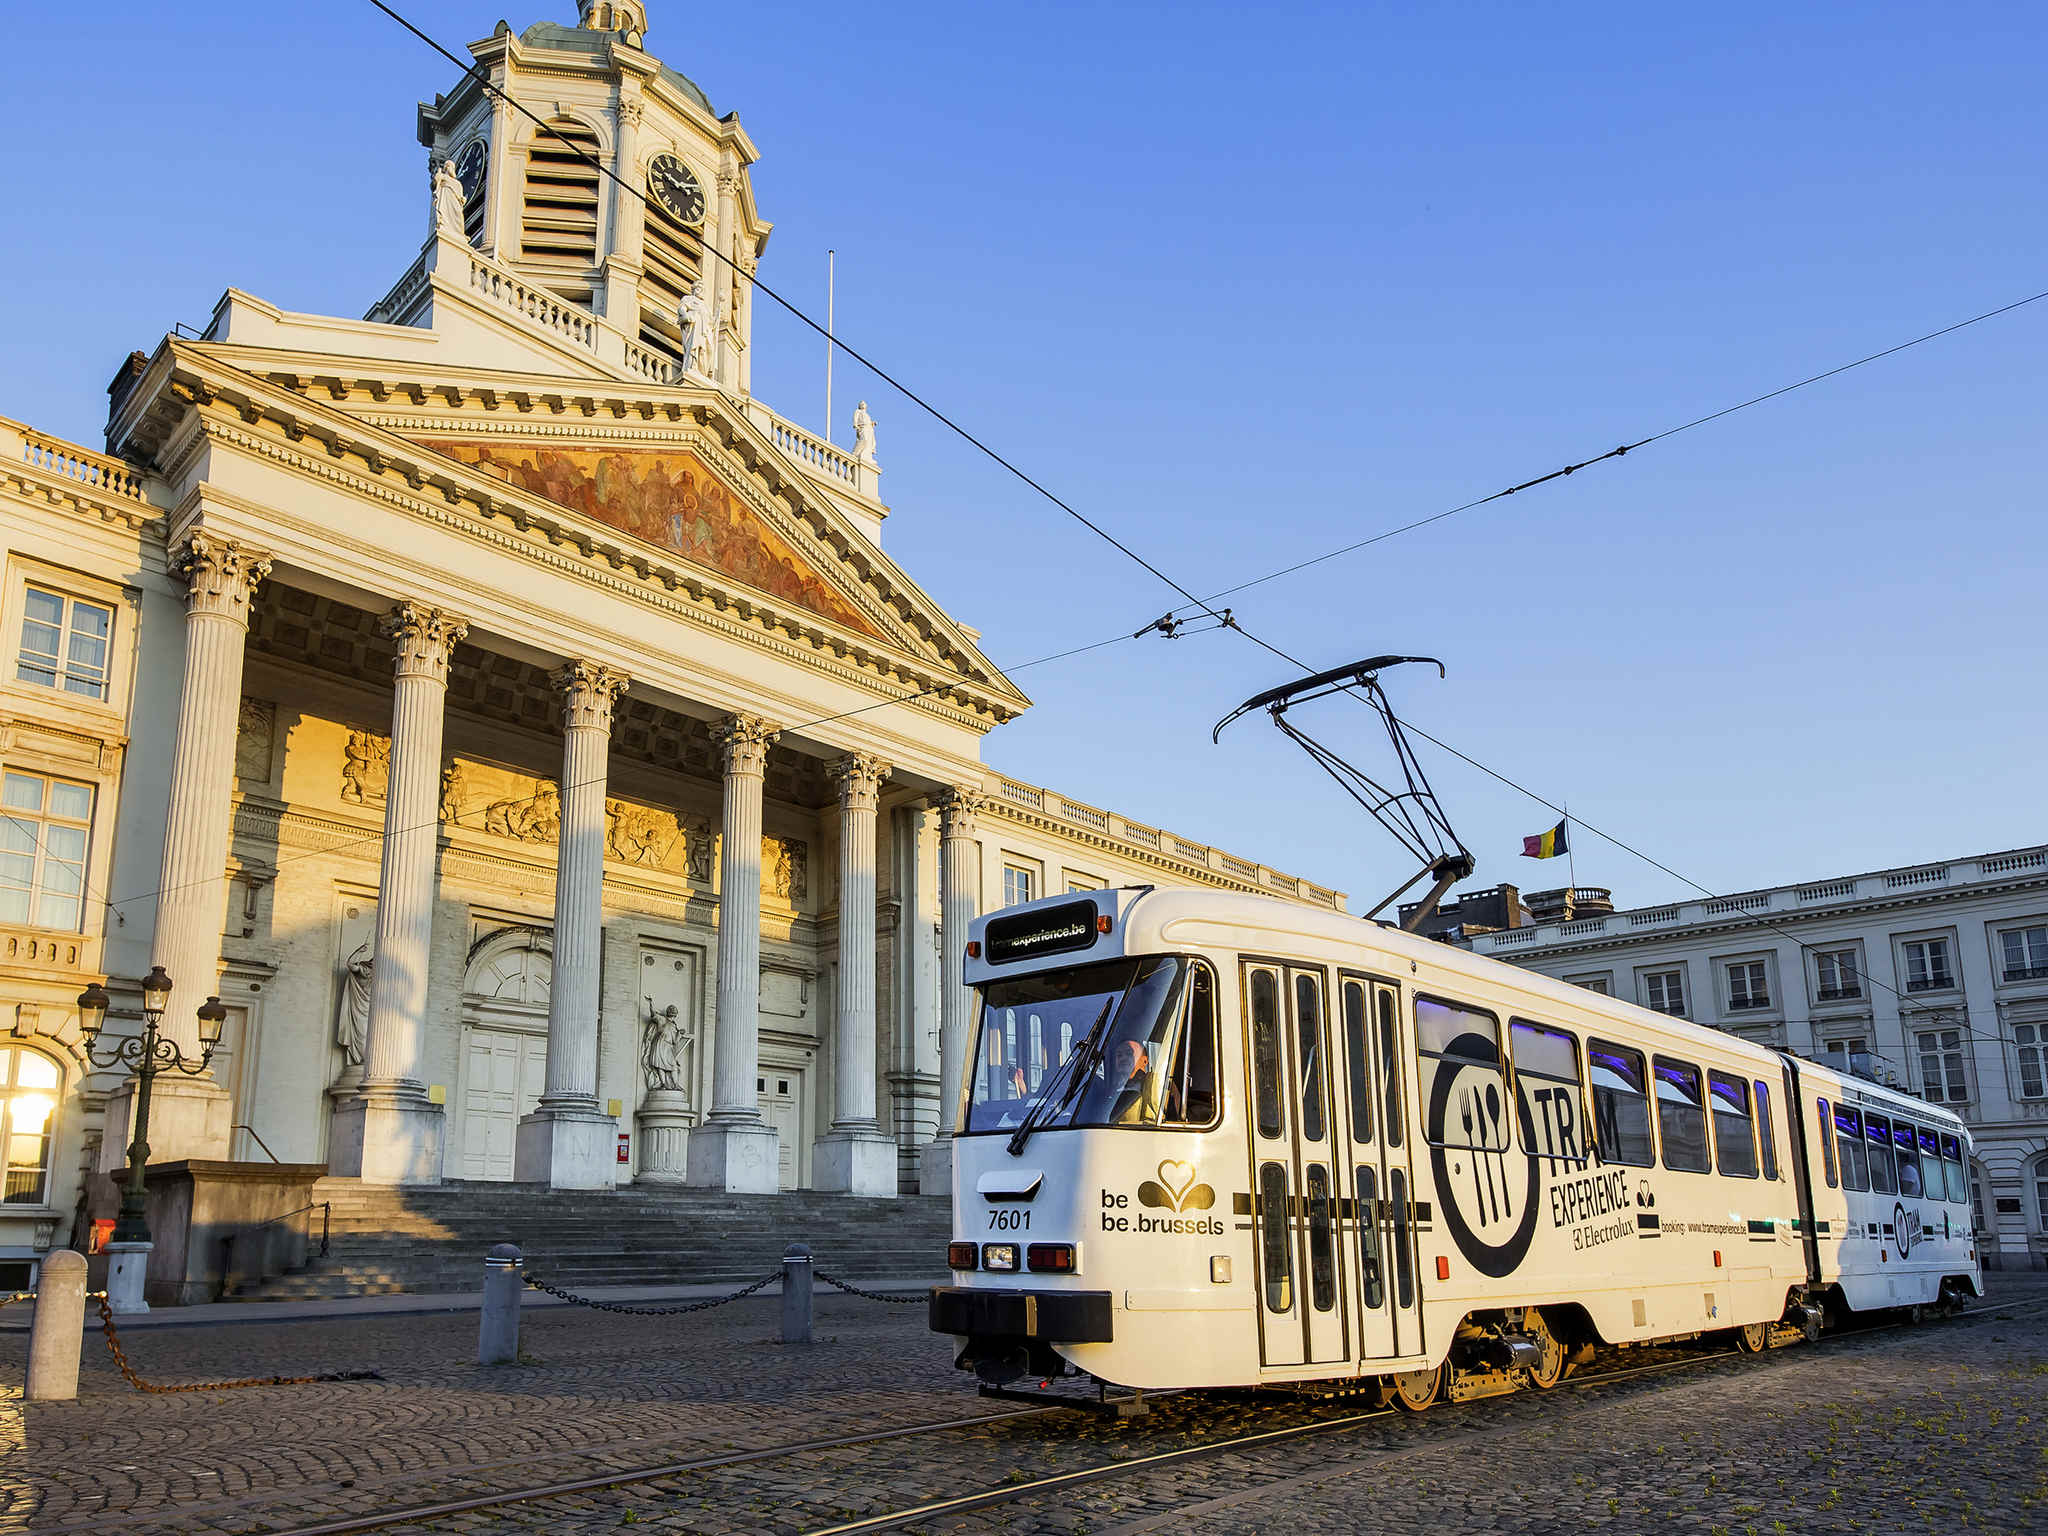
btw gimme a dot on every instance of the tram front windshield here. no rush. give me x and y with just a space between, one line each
1031 1025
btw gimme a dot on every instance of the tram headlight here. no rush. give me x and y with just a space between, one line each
961 1255
1050 1258
1001 1257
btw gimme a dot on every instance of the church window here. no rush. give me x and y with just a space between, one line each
64 643
44 827
29 1083
562 197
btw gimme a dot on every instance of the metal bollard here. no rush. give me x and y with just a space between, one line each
56 1335
497 1332
796 1294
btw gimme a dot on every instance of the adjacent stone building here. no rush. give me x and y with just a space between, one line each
515 722
1931 976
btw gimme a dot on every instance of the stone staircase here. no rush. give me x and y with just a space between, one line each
383 1241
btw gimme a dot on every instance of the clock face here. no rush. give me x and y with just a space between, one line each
469 168
674 190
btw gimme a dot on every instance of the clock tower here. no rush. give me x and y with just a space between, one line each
577 121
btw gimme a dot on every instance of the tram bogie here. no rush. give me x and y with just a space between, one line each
1208 1140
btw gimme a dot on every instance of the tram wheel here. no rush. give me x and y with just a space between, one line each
1753 1338
1555 1363
1416 1390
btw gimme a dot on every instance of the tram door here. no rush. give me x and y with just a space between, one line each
1304 1265
1374 1121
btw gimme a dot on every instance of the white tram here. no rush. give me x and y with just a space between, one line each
1210 1140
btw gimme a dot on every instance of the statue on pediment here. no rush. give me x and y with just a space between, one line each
863 434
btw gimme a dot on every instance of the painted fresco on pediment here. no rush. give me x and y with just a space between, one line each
670 500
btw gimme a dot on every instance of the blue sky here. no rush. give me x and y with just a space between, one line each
1246 284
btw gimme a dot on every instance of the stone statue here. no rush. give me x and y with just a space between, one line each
664 1043
451 794
696 319
863 434
448 201
352 1024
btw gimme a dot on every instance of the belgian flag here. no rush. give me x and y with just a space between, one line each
1546 845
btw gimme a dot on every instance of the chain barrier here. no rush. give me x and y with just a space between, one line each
612 1306
854 1290
10 1300
135 1381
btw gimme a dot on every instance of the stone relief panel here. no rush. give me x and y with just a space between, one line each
668 1041
639 834
526 808
256 740
785 872
365 768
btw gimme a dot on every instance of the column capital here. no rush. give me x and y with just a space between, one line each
744 741
424 638
589 689
630 107
220 575
860 776
959 810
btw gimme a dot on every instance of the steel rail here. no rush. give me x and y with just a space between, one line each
406 1514
1009 1493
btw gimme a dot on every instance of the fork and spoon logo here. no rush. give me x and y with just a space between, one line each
1479 1110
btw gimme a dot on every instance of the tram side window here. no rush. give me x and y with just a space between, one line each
1955 1178
1462 1045
1191 1087
1734 1131
1827 1141
1849 1138
1877 1140
1308 1025
1390 1070
1766 1129
1358 1060
1547 1091
1681 1116
1909 1160
1265 1001
1621 1106
1933 1180
1275 1231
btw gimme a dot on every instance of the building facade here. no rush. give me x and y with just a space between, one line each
512 720
1932 977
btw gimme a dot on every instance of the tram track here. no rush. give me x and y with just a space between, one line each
1009 1492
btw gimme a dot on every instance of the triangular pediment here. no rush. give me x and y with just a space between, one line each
668 497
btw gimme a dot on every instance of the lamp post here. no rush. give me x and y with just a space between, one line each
146 1055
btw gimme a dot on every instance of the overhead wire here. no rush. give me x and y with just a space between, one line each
1224 619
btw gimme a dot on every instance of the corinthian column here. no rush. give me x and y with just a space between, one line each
855 1156
959 900
733 1150
568 1140
190 1116
389 1133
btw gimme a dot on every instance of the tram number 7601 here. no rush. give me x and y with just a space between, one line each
1009 1221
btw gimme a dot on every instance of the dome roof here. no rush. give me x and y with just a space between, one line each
549 34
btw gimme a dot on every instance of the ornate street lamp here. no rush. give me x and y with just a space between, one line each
145 1054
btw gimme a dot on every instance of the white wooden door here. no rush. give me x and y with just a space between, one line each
782 1107
503 1074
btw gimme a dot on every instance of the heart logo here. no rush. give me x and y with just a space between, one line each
1175 1177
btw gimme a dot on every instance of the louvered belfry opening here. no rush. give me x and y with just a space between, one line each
560 223
673 256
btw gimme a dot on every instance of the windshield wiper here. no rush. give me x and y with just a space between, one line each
1075 1069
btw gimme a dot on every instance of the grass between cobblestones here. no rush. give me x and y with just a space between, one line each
1931 1428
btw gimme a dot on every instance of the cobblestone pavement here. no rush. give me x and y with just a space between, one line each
1919 1428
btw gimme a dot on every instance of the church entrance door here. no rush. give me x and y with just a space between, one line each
504 1071
782 1100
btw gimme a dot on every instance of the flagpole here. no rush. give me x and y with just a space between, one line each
1571 858
831 283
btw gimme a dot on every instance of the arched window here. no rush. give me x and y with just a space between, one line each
29 1087
2038 1178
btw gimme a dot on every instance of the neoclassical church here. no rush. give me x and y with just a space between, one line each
511 719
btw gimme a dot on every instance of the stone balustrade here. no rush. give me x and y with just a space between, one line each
53 456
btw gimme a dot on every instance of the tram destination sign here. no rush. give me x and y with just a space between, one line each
1050 931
